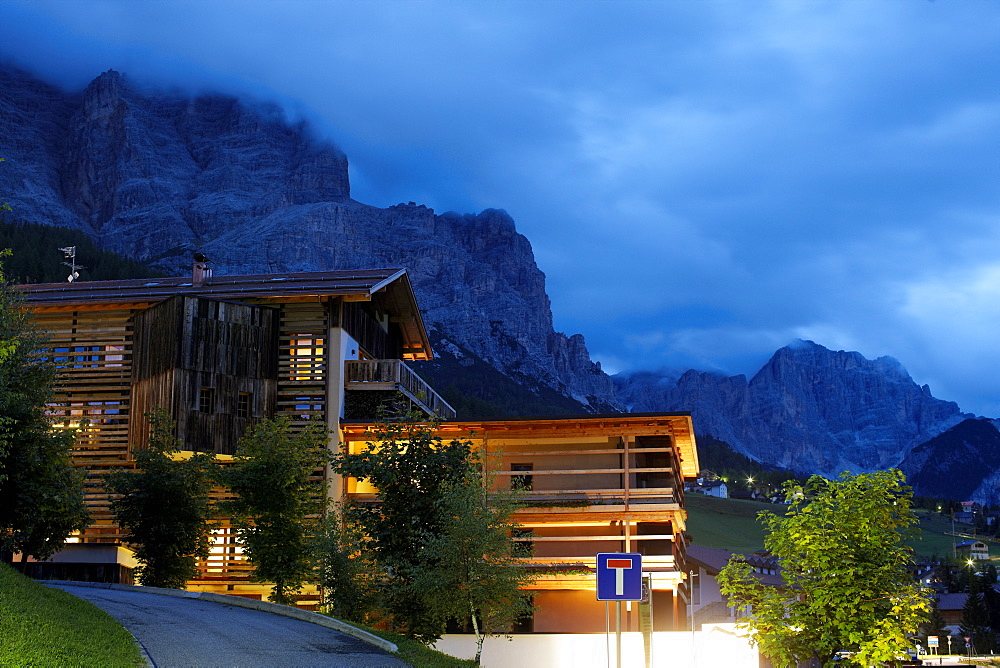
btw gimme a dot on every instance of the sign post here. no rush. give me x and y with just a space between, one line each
619 578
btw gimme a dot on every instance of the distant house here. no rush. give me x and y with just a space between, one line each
716 488
972 549
708 605
951 606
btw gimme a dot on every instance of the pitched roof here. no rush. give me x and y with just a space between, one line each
713 559
392 285
313 283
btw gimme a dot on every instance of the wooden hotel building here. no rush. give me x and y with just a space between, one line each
221 352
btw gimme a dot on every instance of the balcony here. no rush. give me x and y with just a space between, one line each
394 375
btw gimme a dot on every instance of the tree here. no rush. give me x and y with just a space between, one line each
163 506
41 493
976 617
844 566
468 572
344 569
278 501
411 468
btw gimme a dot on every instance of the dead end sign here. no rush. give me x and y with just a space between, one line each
619 576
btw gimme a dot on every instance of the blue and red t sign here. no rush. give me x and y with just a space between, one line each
619 577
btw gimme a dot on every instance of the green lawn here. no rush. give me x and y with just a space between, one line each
40 626
731 524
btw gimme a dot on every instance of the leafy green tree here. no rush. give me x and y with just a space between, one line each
278 501
163 506
41 493
845 568
412 468
468 572
344 568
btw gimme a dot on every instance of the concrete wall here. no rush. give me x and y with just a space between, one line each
714 646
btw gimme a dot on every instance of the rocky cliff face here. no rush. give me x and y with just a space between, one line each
961 463
156 176
808 409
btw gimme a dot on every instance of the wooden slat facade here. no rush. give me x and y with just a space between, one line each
212 364
255 346
590 484
593 484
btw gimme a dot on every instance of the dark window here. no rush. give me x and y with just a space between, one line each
243 405
206 400
526 622
523 545
522 482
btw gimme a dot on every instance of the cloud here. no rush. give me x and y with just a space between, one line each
702 182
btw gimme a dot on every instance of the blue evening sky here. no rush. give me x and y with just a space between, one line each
702 182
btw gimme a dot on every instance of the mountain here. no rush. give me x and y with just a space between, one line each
961 463
809 409
155 176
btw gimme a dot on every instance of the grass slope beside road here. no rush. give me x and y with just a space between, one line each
731 524
416 654
40 626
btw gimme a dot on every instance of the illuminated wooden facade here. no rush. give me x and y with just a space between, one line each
218 354
612 483
221 353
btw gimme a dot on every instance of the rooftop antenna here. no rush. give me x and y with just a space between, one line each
70 253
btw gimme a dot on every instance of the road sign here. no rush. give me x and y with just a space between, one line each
932 641
619 576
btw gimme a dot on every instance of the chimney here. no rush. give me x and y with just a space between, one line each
201 273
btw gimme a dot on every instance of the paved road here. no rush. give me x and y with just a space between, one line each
189 632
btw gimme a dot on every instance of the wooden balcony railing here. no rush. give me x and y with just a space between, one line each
395 375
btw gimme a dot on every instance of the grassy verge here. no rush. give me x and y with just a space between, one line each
415 653
40 626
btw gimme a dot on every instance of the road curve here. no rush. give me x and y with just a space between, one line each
177 631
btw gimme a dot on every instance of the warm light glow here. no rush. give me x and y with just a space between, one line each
306 358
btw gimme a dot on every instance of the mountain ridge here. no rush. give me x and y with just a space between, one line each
807 409
158 176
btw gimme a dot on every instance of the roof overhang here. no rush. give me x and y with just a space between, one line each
392 286
677 425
